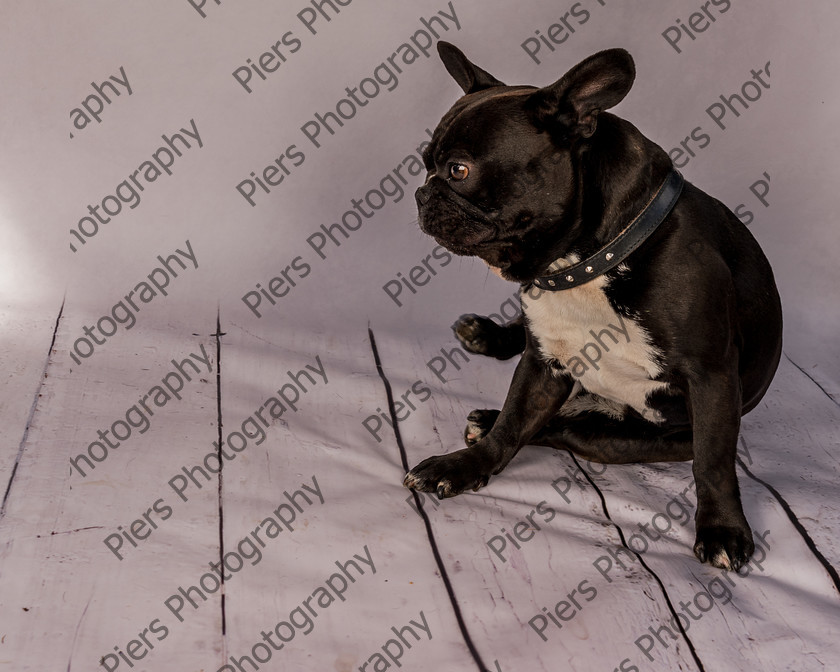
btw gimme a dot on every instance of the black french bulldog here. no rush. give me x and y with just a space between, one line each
591 218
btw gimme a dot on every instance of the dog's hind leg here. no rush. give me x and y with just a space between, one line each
725 540
483 336
599 438
602 439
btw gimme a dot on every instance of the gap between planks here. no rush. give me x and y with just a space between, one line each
453 600
32 409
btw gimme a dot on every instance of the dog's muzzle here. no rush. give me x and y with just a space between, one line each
422 195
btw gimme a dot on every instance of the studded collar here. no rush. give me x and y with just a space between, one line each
620 247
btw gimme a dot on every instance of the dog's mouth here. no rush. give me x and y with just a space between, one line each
499 255
461 235
465 247
461 238
469 234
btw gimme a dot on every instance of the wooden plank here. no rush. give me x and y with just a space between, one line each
67 600
323 447
792 441
778 614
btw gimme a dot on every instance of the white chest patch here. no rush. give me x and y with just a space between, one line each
606 353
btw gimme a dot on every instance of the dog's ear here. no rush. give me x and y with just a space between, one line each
469 76
573 102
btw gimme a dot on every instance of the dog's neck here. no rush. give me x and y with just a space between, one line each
618 213
564 273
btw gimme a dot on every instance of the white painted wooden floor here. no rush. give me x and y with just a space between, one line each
330 564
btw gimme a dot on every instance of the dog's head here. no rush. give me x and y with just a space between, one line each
504 165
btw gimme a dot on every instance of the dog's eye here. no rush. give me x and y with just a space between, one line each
458 171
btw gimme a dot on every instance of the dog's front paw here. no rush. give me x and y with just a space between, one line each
484 337
725 547
478 334
449 475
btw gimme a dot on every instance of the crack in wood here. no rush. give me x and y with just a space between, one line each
76 635
78 529
32 410
794 520
805 373
218 336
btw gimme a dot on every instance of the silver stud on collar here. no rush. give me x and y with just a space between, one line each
588 269
610 255
570 278
551 282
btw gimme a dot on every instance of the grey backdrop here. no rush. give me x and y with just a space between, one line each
179 66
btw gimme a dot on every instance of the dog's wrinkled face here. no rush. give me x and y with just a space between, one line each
497 185
503 180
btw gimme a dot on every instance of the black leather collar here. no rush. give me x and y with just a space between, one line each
618 249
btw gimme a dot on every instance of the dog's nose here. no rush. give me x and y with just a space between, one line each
422 195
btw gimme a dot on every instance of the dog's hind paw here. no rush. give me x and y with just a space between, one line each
479 423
